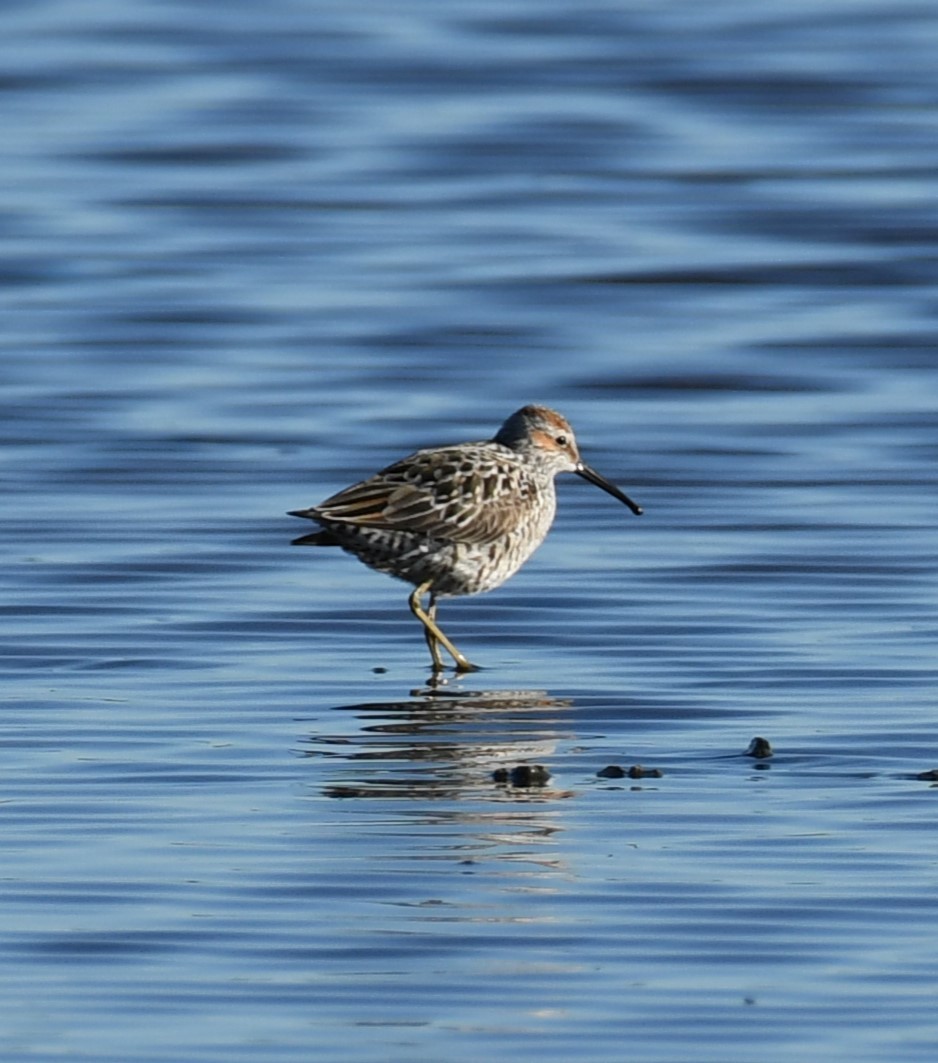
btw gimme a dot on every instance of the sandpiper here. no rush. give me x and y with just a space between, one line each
459 519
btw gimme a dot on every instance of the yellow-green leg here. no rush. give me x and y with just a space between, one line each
433 643
434 636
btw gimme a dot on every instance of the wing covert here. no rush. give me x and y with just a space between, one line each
447 493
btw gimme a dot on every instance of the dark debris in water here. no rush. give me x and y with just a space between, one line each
760 748
611 771
522 775
636 771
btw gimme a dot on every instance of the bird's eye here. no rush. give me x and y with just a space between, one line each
561 441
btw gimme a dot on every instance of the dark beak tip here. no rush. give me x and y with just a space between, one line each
593 477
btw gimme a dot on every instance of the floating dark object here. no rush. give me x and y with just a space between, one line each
760 748
522 775
615 771
638 772
611 771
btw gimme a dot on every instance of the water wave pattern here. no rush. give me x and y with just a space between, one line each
252 254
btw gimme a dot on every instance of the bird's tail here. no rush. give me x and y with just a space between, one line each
319 538
316 538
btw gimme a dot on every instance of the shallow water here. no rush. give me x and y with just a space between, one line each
253 254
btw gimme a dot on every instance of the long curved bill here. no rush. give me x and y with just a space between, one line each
610 488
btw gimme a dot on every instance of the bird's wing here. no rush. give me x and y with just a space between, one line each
445 493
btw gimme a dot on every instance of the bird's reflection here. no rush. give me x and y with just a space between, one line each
490 744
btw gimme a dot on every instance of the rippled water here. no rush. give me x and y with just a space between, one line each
253 253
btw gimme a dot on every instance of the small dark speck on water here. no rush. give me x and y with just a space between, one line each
611 771
760 748
636 771
522 775
639 772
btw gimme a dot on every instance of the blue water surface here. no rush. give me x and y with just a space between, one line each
251 254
